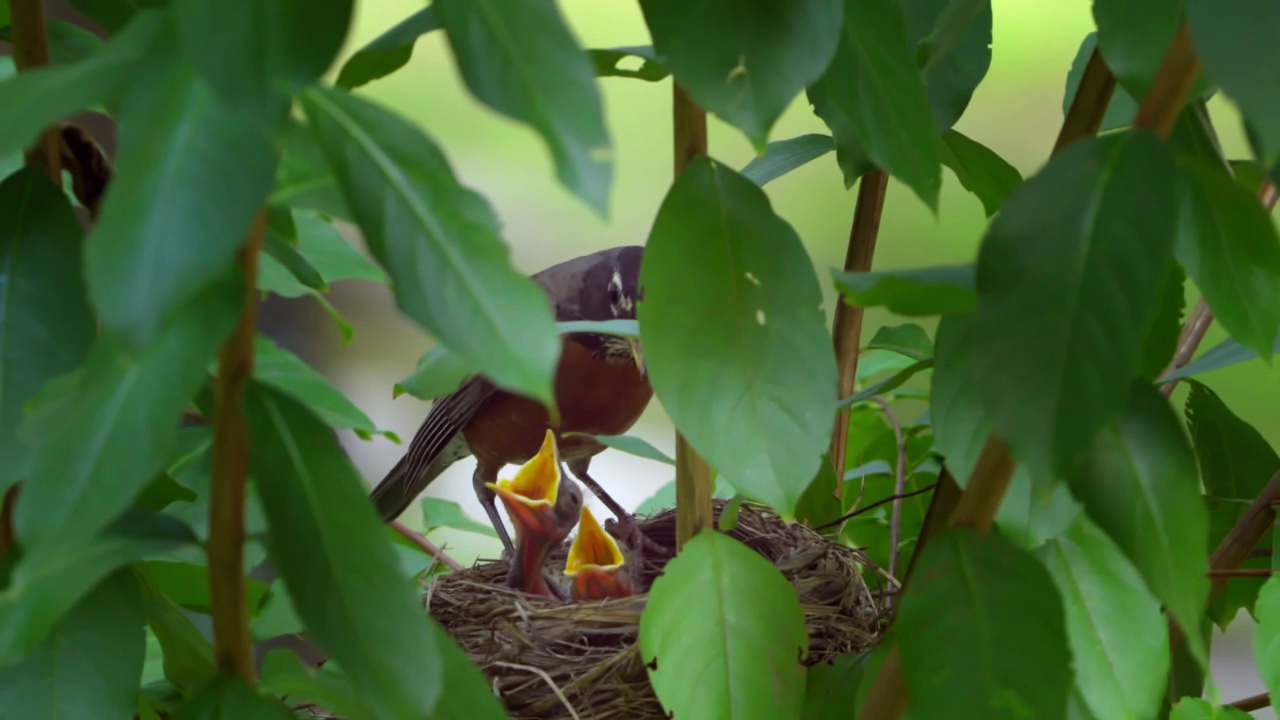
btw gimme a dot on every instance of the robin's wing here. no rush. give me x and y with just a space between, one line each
426 457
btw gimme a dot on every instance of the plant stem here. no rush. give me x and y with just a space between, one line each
1089 106
30 51
846 329
1168 93
868 508
1253 702
431 548
693 474
230 469
899 485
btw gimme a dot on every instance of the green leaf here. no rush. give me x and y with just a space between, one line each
192 166
36 99
1133 36
1121 108
284 674
187 585
1119 640
1266 635
606 62
874 88
89 665
665 497
760 56
438 513
112 427
188 656
327 543
831 689
162 492
1138 483
630 444
226 697
470 695
258 57
1231 41
439 373
907 339
751 398
292 261
439 241
521 60
1058 339
1166 328
1228 244
281 369
1224 354
44 589
978 603
303 179
851 155
1194 708
46 326
67 43
782 156
892 382
330 253
727 633
819 504
1194 136
388 52
951 40
912 292
112 15
979 170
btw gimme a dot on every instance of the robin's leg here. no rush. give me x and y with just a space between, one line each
486 474
626 521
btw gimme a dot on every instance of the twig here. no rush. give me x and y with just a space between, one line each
1168 92
421 541
1242 572
1244 536
899 484
1089 106
30 51
1253 702
846 329
230 468
546 678
868 508
693 474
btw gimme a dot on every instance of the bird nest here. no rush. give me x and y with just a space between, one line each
547 659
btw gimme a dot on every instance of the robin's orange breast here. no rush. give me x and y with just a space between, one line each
594 396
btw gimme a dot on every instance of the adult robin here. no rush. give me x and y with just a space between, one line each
601 388
595 565
543 508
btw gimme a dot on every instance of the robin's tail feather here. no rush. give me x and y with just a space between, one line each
405 482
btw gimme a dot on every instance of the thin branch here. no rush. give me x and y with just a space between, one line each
1168 92
1253 702
1244 536
899 484
230 469
1242 573
846 330
693 474
431 548
1089 106
868 508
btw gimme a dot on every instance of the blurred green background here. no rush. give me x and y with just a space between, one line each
1016 112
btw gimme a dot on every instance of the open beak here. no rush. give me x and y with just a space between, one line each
595 563
530 499
637 354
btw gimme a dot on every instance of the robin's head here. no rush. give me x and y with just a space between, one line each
595 564
611 290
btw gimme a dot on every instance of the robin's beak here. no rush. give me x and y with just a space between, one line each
637 354
530 499
595 563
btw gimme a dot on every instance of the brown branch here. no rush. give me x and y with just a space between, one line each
30 51
421 541
1253 702
1089 106
899 485
1168 92
230 469
1242 573
1244 536
846 330
693 474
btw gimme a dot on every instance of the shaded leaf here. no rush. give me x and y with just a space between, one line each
292 261
187 585
520 59
68 43
470 696
112 426
884 386
303 179
760 57
727 633
1121 108
979 603
439 242
907 339
913 292
831 689
46 326
191 166
162 492
226 697
388 52
1138 483
330 254
951 41
438 513
1119 640
1058 339
1194 708
1229 246
1166 328
1133 36
607 61
89 665
980 171
281 369
752 400
632 445
327 544
782 156
1266 636
112 15
188 656
819 504
873 87
284 674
